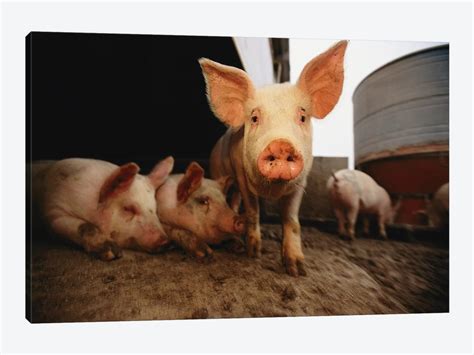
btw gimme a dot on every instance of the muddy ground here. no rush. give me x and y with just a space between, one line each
368 276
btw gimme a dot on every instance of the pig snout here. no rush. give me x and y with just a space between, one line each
280 161
239 225
154 238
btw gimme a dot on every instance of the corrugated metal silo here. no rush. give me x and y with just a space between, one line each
401 127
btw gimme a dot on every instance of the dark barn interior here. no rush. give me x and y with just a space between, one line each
123 98
140 98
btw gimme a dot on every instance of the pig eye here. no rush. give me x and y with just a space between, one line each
254 119
302 119
203 200
130 210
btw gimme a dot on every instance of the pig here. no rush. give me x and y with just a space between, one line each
100 206
267 148
438 208
353 192
194 212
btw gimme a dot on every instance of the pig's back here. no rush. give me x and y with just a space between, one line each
361 185
73 186
35 174
373 196
343 192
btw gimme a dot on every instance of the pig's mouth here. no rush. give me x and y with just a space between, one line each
275 182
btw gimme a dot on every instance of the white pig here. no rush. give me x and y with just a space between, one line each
353 192
100 206
268 146
194 211
438 208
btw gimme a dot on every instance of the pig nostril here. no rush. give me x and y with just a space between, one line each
290 158
271 158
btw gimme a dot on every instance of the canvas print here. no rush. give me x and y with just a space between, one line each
192 177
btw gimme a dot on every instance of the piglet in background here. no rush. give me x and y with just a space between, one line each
437 210
354 193
100 206
194 212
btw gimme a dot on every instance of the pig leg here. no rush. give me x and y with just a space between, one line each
341 220
88 236
254 238
382 231
252 210
292 253
351 221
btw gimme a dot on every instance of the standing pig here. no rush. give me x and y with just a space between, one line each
194 211
353 192
100 206
268 147
438 208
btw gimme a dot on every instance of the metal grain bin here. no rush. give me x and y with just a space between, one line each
401 127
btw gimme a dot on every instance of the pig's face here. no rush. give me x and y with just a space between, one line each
276 119
127 202
198 205
216 218
278 136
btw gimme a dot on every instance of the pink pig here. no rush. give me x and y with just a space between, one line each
100 206
353 192
268 147
194 211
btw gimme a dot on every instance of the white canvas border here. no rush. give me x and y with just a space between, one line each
426 21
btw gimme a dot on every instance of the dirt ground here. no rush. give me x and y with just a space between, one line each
368 276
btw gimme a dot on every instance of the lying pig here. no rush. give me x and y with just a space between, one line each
100 206
194 211
268 146
438 208
353 192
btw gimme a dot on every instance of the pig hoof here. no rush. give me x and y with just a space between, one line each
254 248
110 251
204 254
294 267
301 268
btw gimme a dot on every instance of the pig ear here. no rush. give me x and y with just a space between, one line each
322 79
161 171
228 89
225 182
190 182
119 181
